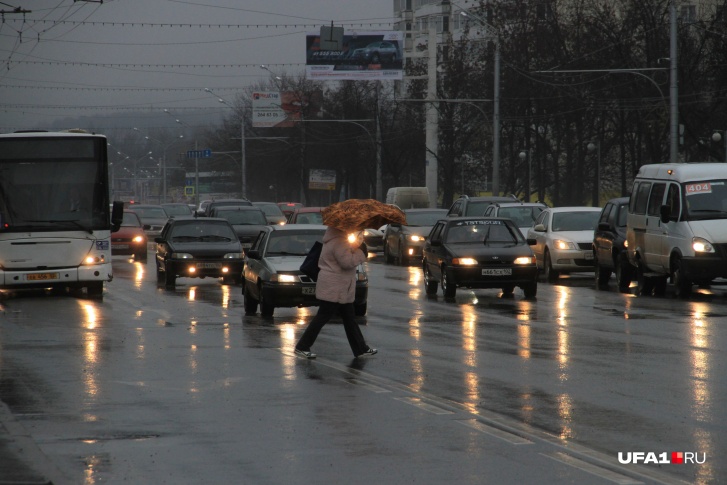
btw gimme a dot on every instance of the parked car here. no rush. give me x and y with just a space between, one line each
475 206
247 221
272 212
523 214
214 203
198 247
306 215
130 239
564 240
404 242
177 209
478 252
272 276
289 207
152 218
609 245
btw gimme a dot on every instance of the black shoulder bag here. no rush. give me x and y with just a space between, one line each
310 264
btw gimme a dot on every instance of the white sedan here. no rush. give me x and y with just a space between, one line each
564 240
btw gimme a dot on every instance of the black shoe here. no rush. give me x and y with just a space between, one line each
369 351
307 353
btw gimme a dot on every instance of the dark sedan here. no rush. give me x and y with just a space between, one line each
478 252
247 221
404 242
202 247
609 245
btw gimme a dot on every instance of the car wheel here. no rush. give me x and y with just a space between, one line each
645 285
170 279
95 290
448 286
403 258
266 309
430 285
507 290
250 302
360 310
682 286
388 258
624 274
530 289
551 275
602 274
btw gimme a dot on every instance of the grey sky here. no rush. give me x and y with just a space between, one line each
77 59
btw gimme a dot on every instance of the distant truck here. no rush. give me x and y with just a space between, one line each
408 197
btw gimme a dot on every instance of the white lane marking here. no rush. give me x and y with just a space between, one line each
415 401
366 385
592 469
498 433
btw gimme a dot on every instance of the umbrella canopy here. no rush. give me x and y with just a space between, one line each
358 214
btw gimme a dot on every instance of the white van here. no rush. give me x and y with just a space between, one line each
677 226
408 197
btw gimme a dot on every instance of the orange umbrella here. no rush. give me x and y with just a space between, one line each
358 214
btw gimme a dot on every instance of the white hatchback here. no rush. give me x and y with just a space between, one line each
564 240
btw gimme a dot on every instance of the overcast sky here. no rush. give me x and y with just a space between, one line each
66 59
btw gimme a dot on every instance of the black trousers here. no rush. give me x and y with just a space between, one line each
326 311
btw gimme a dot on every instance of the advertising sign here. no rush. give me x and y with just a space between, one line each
281 109
363 56
322 179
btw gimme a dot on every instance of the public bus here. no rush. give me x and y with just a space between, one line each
55 221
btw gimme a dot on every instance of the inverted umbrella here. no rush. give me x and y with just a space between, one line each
358 214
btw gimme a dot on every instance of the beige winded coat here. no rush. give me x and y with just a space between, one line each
338 261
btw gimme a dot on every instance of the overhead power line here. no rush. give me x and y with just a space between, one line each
191 25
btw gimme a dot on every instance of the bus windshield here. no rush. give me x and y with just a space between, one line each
52 184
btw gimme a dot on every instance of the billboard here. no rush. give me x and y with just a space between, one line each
274 109
363 56
322 179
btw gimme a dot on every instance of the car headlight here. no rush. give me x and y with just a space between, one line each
138 239
524 260
464 261
701 245
284 278
416 238
233 256
182 256
561 244
626 243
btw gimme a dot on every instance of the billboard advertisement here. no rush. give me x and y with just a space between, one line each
282 109
322 179
362 56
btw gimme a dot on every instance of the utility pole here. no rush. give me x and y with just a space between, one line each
432 119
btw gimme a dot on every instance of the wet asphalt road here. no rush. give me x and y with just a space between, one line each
177 386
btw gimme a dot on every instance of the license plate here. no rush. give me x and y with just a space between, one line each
497 272
120 246
588 255
208 265
309 291
41 276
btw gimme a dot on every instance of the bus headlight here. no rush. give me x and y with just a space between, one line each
91 259
701 245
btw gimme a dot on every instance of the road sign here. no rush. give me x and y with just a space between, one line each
189 190
206 153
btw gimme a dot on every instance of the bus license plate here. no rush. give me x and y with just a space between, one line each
497 272
41 276
120 246
309 291
209 265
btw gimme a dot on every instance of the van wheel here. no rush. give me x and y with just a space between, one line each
624 274
551 275
682 286
602 274
645 284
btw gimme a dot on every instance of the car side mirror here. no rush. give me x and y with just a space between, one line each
539 228
603 226
665 213
532 241
253 253
117 215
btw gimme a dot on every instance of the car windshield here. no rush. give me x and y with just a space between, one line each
202 231
177 210
424 218
489 233
521 216
575 221
292 243
130 220
151 212
271 210
706 199
477 208
309 218
241 218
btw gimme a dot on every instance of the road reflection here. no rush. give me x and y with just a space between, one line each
702 406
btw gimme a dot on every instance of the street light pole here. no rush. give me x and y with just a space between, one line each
523 155
243 157
597 182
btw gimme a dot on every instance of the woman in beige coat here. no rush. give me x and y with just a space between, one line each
336 290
